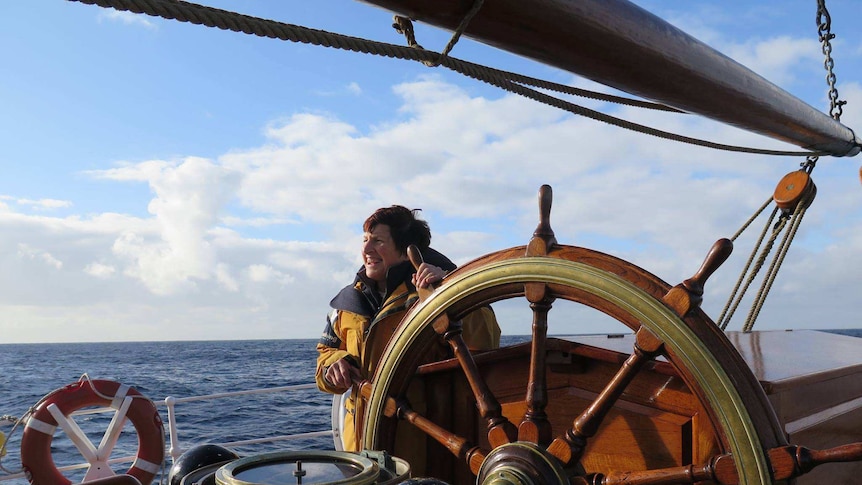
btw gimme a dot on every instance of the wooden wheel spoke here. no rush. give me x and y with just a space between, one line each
472 455
720 469
535 426
469 453
569 447
500 430
793 461
787 462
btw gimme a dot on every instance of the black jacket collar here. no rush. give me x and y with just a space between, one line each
362 298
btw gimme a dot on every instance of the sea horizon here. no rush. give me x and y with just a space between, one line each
853 331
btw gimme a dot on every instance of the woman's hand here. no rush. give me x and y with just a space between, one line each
342 373
427 274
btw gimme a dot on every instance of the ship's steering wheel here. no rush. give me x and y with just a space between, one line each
667 322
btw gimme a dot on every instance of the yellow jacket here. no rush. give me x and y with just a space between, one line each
357 330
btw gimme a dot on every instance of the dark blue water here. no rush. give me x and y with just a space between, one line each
179 369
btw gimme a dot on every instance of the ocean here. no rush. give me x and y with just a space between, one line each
179 369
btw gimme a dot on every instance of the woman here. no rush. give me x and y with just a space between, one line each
365 314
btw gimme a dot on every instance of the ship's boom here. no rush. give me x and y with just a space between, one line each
621 45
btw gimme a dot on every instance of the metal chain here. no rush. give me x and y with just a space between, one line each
836 106
824 30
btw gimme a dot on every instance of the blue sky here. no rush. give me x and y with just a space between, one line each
166 181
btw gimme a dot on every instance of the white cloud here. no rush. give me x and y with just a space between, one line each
100 270
224 277
126 18
778 59
260 273
45 204
265 235
255 222
189 197
25 251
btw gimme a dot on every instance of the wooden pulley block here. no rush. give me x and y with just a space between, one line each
792 188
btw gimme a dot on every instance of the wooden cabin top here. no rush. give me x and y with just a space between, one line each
780 359
813 380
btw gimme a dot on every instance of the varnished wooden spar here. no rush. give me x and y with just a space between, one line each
621 45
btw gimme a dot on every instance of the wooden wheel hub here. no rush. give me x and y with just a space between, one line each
520 463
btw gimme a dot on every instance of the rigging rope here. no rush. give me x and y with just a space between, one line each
795 217
736 296
477 4
772 272
824 27
404 26
226 20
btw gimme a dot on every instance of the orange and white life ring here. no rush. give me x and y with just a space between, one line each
36 441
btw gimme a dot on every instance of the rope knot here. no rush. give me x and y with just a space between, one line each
404 26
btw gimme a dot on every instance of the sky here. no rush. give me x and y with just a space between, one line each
168 181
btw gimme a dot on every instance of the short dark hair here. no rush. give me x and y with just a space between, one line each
404 226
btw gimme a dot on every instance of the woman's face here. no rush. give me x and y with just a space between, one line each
379 252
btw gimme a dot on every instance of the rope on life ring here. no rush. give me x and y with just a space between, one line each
36 441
